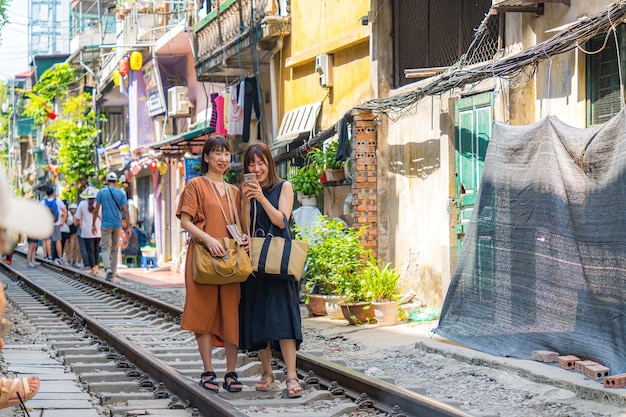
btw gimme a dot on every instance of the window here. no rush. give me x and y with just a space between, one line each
435 33
603 81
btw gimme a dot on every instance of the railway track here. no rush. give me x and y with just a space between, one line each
129 351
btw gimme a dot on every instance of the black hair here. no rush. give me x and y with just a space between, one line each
213 143
49 191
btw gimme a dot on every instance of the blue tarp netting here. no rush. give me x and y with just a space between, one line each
543 264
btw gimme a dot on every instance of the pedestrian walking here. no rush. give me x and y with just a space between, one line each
59 213
18 215
211 311
87 216
114 208
269 310
72 251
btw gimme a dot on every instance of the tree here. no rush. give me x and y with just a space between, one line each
74 131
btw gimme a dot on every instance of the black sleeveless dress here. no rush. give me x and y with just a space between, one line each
269 308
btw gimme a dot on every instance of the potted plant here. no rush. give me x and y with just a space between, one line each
334 258
306 184
334 169
381 281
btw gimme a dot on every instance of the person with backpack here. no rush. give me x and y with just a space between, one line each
114 208
58 210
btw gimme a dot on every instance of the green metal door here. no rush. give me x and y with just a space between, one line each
473 130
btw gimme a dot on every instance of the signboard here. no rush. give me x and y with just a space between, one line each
192 166
154 89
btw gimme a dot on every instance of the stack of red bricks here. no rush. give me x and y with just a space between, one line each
364 187
591 369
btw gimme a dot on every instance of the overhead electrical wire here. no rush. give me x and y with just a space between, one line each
508 67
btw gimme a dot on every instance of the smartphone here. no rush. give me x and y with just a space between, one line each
249 177
5 326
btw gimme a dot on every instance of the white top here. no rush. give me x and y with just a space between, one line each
86 220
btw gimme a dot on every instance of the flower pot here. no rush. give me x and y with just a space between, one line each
316 305
358 313
307 200
386 313
333 308
335 174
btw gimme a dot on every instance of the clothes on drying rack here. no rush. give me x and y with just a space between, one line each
251 98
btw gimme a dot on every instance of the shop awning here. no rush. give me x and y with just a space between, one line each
195 136
297 123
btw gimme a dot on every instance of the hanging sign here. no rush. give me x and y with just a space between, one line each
154 89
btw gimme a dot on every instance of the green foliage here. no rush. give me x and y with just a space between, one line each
381 280
4 18
306 180
335 261
76 133
53 84
330 154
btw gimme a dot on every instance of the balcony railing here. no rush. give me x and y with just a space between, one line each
147 21
225 32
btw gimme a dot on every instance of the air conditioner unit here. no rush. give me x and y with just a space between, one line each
178 102
324 67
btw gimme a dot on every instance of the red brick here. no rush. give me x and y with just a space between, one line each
568 361
581 365
615 381
597 371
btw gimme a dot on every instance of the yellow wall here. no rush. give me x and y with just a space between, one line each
331 27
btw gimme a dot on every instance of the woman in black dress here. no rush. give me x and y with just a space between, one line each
269 311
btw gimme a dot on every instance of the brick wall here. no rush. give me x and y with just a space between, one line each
364 183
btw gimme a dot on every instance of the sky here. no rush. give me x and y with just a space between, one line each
14 46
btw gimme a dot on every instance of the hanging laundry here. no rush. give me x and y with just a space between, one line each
213 122
226 96
220 129
235 112
251 98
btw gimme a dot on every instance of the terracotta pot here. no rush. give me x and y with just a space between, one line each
358 313
335 174
316 305
386 312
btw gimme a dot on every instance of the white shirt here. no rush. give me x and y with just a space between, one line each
60 207
86 220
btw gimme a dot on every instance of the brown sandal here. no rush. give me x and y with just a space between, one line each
267 382
293 390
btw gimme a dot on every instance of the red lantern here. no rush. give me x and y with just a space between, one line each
123 66
181 168
153 165
57 169
50 167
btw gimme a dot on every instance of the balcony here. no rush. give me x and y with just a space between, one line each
502 6
224 36
147 21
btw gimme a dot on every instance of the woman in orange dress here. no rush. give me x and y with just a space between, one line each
211 311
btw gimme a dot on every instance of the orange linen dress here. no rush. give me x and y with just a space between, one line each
210 309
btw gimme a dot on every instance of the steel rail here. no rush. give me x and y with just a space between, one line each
173 380
385 394
411 403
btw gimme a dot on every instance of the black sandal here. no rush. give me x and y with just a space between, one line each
228 386
208 384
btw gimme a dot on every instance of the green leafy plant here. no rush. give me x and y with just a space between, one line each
306 180
330 156
381 280
335 260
